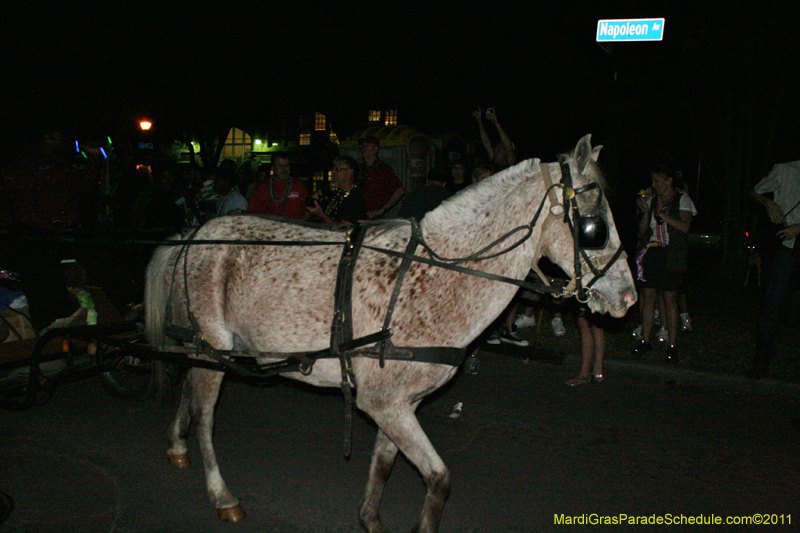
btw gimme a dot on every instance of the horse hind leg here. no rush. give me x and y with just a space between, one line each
197 405
179 429
402 427
383 457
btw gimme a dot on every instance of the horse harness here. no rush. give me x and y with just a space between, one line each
589 232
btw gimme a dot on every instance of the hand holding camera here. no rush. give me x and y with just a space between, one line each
642 199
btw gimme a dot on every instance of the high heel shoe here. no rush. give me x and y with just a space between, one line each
641 349
578 381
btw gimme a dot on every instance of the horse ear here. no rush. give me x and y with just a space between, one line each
596 151
585 153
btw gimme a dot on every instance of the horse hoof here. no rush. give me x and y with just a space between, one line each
179 461
231 514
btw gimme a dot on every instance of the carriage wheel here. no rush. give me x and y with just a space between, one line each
129 376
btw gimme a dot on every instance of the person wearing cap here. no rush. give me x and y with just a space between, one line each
280 195
379 183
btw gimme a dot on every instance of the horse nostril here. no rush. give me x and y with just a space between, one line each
629 299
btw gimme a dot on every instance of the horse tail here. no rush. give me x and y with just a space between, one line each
156 295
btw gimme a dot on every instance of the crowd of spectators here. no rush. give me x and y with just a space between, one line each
159 196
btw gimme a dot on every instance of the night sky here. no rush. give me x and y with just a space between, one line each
86 67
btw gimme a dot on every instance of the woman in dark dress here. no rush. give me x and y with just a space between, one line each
348 205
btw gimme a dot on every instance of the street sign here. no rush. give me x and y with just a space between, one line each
617 30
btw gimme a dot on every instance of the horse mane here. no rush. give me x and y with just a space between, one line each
466 205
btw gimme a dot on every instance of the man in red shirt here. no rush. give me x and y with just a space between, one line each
280 195
378 182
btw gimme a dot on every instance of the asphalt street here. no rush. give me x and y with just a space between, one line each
526 453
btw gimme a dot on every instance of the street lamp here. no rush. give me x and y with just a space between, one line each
145 125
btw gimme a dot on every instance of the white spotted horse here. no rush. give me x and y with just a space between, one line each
386 310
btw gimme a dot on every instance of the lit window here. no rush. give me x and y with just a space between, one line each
305 139
319 122
319 175
391 118
334 138
374 116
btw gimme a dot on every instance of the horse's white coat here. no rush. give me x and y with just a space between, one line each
274 298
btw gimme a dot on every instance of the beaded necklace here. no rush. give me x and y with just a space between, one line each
286 191
660 233
661 225
337 200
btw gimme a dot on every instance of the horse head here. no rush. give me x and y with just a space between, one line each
580 236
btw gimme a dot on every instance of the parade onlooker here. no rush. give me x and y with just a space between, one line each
665 218
231 200
458 177
281 194
427 198
481 172
593 346
348 205
378 182
501 154
783 182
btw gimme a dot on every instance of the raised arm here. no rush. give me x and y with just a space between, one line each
507 144
487 144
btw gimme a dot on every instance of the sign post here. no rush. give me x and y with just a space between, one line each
629 30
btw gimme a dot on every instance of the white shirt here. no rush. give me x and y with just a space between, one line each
784 182
233 201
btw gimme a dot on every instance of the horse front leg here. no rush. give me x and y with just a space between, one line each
400 424
383 457
204 391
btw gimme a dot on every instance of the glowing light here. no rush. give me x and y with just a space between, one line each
77 147
145 125
105 155
258 142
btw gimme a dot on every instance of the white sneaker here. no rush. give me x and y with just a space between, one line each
686 322
637 333
523 321
663 335
558 327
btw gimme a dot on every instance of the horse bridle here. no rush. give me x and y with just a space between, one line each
589 232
